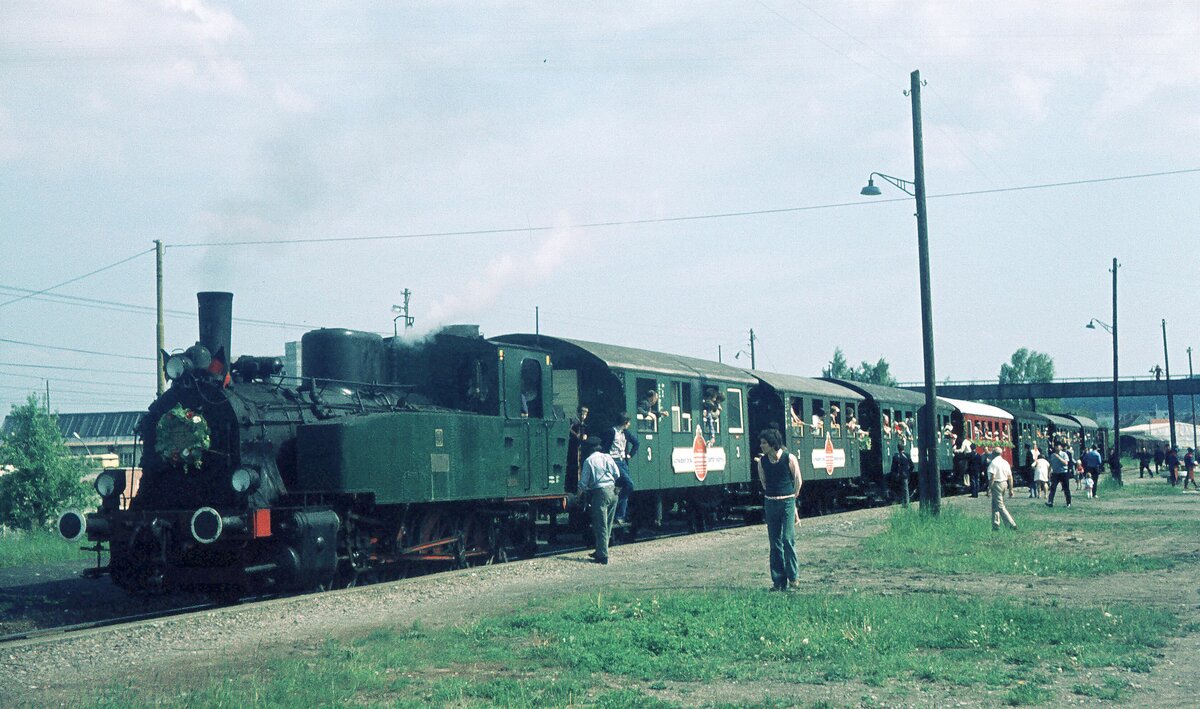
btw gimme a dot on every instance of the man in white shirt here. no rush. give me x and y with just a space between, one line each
1000 479
597 485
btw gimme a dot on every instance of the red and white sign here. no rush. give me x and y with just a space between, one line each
698 459
829 458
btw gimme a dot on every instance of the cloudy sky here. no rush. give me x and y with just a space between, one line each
660 175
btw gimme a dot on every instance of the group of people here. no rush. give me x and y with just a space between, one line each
1170 458
605 484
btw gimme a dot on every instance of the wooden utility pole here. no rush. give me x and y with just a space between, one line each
162 338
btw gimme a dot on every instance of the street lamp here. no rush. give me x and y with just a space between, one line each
85 446
1092 324
1192 376
930 483
1170 397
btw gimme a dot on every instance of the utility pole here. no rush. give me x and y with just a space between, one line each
162 337
403 313
1170 397
719 360
1116 400
753 365
930 480
47 397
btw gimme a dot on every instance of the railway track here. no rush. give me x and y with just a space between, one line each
556 549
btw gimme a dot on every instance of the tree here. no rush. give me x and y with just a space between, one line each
1027 367
878 373
838 367
46 478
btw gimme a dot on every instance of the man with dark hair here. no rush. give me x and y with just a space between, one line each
1091 468
597 480
1143 457
779 474
1160 457
1189 467
1060 473
623 445
1172 459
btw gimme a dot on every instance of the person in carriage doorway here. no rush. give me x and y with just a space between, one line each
622 446
1000 480
1092 462
597 486
779 474
901 471
1060 474
976 466
1143 457
575 446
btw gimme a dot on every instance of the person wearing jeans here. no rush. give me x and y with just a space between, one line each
779 474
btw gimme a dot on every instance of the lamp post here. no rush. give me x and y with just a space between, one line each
1170 397
930 484
1116 405
1192 376
85 445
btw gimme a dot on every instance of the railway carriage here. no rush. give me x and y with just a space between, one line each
986 426
891 418
820 424
1090 433
1065 429
1029 430
697 457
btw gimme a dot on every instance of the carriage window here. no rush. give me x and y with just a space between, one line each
649 408
796 414
681 407
531 388
851 420
734 400
818 418
835 419
887 416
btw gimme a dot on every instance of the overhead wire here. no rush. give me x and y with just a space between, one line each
682 218
77 351
77 278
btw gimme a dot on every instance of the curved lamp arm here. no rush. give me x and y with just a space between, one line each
872 191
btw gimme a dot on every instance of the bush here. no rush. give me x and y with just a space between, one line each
46 478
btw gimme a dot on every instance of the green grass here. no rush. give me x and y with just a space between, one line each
615 651
18 548
964 542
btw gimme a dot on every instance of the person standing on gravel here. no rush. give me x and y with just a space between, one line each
779 474
1000 479
1060 474
597 484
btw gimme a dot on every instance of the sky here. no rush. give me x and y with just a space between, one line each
661 175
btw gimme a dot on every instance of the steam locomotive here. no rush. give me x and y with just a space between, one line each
388 456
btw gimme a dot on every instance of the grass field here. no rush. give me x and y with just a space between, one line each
18 548
673 648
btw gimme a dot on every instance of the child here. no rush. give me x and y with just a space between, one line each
1087 485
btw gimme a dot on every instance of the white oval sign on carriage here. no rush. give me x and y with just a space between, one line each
829 458
699 459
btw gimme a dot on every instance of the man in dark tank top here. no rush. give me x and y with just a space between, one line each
779 473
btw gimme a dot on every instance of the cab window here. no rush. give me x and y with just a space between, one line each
531 388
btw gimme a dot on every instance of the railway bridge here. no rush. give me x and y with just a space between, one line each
1099 388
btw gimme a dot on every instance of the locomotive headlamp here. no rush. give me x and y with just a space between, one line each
176 365
245 480
109 483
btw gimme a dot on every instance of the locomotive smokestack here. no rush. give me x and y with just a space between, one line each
216 322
